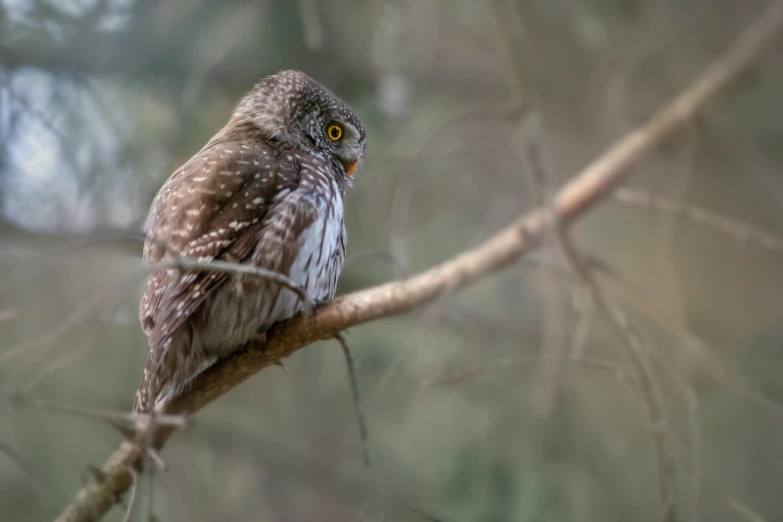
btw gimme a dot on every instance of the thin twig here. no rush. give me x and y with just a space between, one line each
527 136
737 230
178 421
694 431
181 262
27 469
362 423
650 394
132 499
50 337
709 361
81 313
584 307
727 497
61 362
311 24
693 464
66 245
456 376
582 192
383 254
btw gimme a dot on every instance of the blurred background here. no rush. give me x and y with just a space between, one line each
101 99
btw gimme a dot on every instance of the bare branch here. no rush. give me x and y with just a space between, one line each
60 362
708 361
27 469
383 254
235 268
311 24
456 376
693 464
50 337
179 421
725 495
176 261
132 500
737 230
363 433
584 191
649 390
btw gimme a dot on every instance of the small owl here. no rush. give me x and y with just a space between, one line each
266 190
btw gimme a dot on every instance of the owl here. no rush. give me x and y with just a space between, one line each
267 190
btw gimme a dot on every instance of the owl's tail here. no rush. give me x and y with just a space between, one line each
171 366
145 396
159 372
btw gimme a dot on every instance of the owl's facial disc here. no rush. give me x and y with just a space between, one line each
345 143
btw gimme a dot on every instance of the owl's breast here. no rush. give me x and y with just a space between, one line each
321 250
304 239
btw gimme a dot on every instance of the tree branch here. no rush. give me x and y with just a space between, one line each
649 389
585 190
735 229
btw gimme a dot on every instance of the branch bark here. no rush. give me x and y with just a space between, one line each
584 191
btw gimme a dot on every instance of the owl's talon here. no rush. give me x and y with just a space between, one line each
261 337
308 307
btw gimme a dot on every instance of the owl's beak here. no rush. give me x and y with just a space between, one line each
351 166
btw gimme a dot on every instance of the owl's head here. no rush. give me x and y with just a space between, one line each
297 111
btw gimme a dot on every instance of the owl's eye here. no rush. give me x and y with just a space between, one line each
334 131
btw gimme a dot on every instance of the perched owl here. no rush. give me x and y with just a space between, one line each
266 190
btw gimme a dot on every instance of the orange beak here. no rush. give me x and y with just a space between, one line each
350 168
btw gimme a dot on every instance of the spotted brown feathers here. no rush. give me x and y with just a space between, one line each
266 190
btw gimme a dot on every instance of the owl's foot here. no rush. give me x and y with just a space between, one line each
308 307
311 305
261 337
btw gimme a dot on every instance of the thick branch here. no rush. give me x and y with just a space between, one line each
573 200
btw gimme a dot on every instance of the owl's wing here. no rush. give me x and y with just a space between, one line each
213 208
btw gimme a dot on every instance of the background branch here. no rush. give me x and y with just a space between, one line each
649 389
737 230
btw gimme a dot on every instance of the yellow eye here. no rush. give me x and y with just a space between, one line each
335 132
